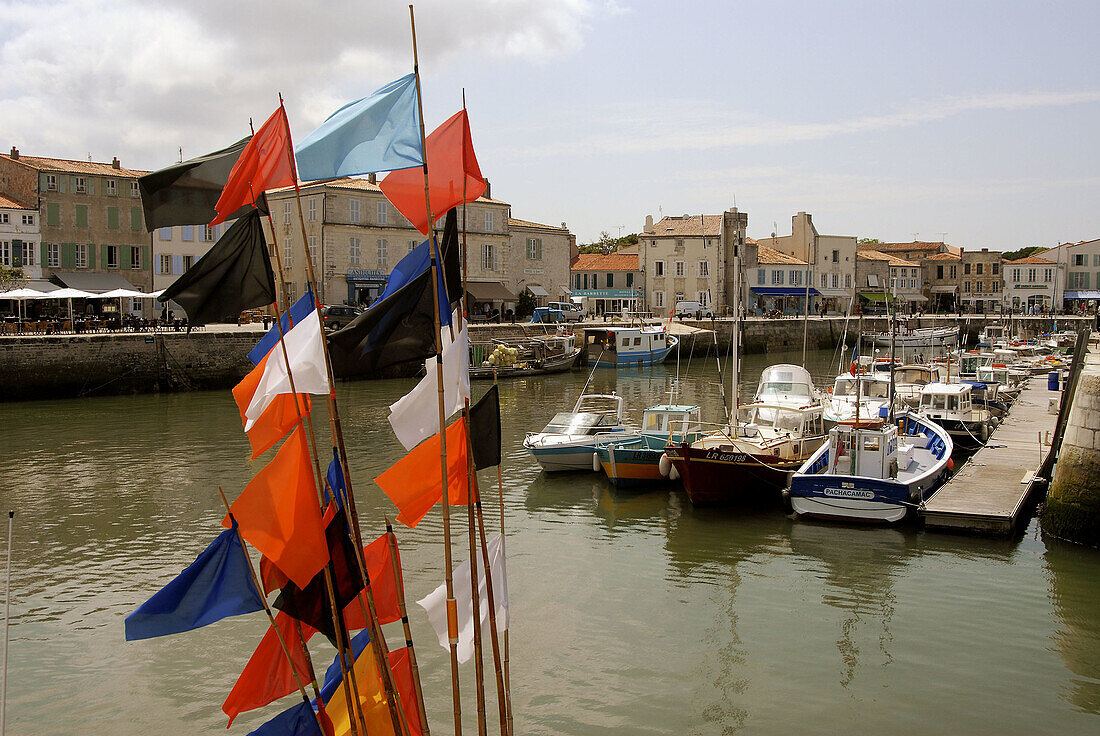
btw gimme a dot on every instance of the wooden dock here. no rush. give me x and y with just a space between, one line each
989 492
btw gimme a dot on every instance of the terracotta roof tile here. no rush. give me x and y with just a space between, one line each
1029 259
354 183
605 262
13 204
772 257
75 167
875 255
526 223
678 227
944 257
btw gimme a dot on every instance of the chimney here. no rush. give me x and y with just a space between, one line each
648 223
115 163
488 191
14 153
372 178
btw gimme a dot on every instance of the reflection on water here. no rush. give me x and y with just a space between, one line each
632 611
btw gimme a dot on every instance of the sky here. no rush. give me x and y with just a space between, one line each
973 122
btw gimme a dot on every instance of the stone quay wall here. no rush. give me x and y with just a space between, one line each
1072 508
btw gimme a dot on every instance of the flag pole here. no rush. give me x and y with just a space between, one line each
7 624
279 634
378 641
500 498
392 542
452 608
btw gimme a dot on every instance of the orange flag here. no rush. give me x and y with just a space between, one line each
452 165
265 163
278 513
383 584
414 483
279 417
267 676
403 676
372 697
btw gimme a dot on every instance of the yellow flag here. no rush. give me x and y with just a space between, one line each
372 696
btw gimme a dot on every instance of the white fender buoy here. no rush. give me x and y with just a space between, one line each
995 421
664 465
985 432
596 462
674 474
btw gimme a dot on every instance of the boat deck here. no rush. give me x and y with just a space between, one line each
989 492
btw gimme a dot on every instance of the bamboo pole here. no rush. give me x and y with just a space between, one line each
279 634
7 623
436 263
507 672
392 542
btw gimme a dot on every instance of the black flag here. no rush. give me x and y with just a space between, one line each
310 604
399 327
485 429
233 276
185 193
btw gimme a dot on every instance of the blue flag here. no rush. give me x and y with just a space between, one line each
216 585
298 311
376 133
296 721
333 676
335 478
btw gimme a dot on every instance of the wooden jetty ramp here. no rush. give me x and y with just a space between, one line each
990 491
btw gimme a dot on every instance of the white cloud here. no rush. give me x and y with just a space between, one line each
138 78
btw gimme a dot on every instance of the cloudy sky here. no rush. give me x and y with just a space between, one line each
974 121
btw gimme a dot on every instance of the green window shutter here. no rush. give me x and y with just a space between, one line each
91 185
91 256
123 256
82 215
112 218
62 183
137 220
68 255
53 214
43 257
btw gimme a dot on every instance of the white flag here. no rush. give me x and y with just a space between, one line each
306 352
435 603
415 416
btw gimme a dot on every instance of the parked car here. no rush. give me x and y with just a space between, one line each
692 309
570 312
337 316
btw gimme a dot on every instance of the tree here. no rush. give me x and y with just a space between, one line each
1015 255
867 241
11 278
525 304
607 244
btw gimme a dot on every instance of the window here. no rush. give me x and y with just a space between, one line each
760 276
111 188
134 190
187 233
291 290
28 254
824 280
1016 274
80 185
112 256
1031 274
679 269
489 260
1078 280
996 268
966 269
980 267
1048 275
112 218
847 281
939 275
577 281
488 221
353 252
704 269
312 206
1080 260
313 249
966 287
135 256
912 283
680 244
165 263
53 255
836 256
610 280
208 234
658 269
5 253
382 247
353 210
629 280
164 234
658 298
534 249
3 218
795 277
411 246
383 213
286 213
27 219
996 286
288 253
1096 259
51 182
836 281
954 272
777 276
585 286
978 287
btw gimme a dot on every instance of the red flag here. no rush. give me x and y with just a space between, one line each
452 166
403 677
271 577
265 163
383 584
278 513
267 676
414 483
278 418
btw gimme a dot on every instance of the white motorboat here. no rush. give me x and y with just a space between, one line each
569 439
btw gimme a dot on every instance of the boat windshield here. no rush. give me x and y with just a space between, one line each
844 387
917 376
784 388
875 389
567 422
775 417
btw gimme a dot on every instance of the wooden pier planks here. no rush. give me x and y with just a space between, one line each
990 490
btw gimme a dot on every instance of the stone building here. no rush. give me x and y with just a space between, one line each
682 260
882 276
93 234
981 283
941 272
611 282
832 259
776 281
1032 285
355 237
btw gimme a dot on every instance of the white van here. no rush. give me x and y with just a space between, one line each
572 312
692 310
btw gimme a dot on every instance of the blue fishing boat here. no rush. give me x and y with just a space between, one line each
634 460
617 347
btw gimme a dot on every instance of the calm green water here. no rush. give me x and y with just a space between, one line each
631 613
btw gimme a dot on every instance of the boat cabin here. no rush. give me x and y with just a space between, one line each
671 419
786 384
871 386
592 413
868 449
769 421
950 401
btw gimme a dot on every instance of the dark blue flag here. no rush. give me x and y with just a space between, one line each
296 721
216 585
298 311
335 478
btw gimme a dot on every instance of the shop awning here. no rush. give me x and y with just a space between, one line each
875 296
537 290
97 282
489 291
912 298
1083 295
944 289
783 290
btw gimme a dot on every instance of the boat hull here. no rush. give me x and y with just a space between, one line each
716 476
849 498
561 459
632 468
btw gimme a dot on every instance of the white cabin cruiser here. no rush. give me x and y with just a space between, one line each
569 439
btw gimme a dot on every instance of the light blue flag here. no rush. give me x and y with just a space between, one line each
376 133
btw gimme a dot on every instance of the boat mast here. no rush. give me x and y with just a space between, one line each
806 305
735 336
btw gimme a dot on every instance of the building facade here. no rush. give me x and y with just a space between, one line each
1032 285
941 272
610 283
981 282
832 260
176 249
93 234
1081 263
777 282
883 277
682 260
20 238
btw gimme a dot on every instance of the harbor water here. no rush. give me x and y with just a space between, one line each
631 612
